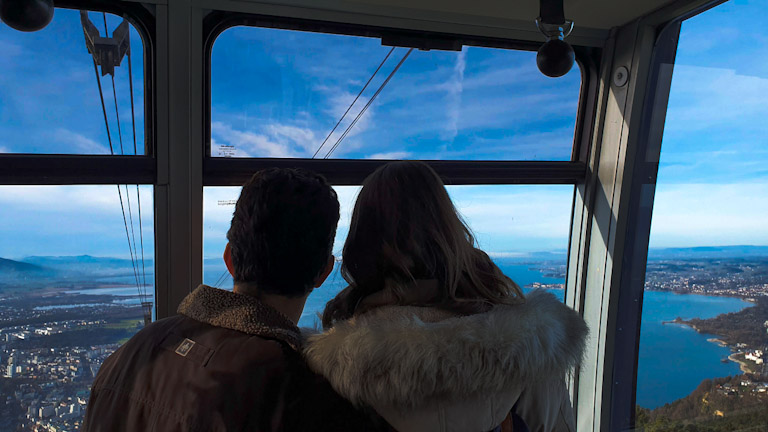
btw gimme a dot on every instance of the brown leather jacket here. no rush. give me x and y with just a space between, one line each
227 363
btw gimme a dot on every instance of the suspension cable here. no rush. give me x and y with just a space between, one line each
135 152
370 101
103 107
353 102
221 278
111 150
135 255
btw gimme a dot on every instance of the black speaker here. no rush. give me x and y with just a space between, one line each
555 58
26 15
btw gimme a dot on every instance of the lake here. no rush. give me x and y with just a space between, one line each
674 359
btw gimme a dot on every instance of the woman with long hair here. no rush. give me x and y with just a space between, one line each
430 333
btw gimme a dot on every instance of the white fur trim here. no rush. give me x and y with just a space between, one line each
391 357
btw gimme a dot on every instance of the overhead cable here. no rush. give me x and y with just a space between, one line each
353 102
131 248
370 101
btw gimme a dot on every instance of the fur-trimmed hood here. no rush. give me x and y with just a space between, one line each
407 359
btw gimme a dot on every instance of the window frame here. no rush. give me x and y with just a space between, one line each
36 169
55 168
636 229
218 171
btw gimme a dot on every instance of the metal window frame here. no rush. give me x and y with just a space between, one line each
234 171
71 169
612 213
144 23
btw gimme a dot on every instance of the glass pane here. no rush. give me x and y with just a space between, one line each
49 95
705 311
524 229
71 291
280 93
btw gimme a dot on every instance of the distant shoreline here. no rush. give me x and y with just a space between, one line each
720 342
748 299
743 366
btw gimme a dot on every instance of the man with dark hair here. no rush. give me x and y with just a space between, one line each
230 360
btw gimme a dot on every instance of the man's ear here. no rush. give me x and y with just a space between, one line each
327 271
228 260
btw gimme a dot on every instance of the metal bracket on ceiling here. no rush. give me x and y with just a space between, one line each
107 52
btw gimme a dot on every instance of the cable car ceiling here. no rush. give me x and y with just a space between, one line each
590 14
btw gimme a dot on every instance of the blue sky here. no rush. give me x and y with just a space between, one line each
278 93
479 103
49 100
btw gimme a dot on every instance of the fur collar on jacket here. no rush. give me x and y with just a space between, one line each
403 356
240 312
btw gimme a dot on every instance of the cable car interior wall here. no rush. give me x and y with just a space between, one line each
618 56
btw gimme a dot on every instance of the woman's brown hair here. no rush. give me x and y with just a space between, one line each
405 228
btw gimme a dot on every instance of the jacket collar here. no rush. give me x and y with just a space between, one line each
239 312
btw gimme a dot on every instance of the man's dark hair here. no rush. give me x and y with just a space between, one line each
282 231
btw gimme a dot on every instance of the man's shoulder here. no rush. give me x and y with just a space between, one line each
220 339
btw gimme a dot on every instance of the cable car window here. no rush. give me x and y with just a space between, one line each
704 332
524 229
62 83
76 281
293 94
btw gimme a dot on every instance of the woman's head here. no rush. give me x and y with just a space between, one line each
405 228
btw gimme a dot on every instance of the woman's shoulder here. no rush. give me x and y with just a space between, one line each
373 356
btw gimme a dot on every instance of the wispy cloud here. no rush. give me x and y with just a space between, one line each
555 144
389 155
73 142
710 214
453 99
714 98
303 137
507 254
514 218
70 220
250 143
9 49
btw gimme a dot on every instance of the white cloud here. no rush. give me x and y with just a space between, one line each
77 143
250 143
454 88
303 137
514 218
710 214
507 254
216 208
4 149
389 155
69 199
704 98
8 50
70 220
554 144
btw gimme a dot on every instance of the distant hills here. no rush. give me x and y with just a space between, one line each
700 252
86 263
86 267
10 267
39 270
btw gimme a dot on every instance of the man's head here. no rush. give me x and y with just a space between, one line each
282 232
